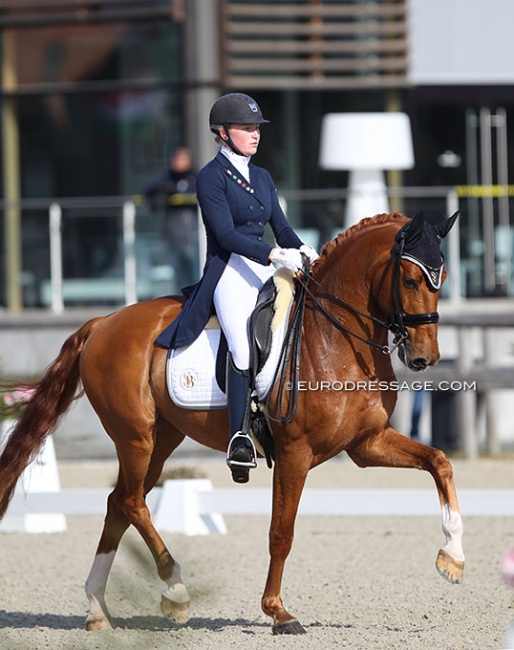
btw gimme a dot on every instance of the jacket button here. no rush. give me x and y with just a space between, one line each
248 223
260 223
250 207
259 238
262 208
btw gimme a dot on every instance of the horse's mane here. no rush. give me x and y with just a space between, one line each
364 224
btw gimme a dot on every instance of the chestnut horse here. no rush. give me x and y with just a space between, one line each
352 293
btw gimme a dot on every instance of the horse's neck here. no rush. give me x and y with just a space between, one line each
346 276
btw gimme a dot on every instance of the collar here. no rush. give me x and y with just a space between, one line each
241 163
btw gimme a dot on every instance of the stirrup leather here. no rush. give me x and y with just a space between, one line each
250 464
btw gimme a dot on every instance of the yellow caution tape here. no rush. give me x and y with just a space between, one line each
480 191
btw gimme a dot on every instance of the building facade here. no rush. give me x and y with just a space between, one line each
97 95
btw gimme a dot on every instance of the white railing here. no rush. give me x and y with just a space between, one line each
129 256
128 285
193 507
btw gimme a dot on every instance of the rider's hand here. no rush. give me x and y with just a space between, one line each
310 252
290 258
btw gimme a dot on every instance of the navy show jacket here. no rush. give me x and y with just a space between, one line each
235 214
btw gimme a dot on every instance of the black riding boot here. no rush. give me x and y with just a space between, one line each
241 450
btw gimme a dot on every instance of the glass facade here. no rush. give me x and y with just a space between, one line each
101 104
99 111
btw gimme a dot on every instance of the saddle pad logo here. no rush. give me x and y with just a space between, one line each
188 379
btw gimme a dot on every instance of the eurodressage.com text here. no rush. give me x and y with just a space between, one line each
338 386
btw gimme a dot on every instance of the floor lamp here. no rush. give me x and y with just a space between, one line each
366 144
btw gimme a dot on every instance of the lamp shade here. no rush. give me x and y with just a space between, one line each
366 141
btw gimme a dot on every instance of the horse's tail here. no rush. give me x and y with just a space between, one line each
51 397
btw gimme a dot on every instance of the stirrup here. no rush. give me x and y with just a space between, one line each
244 458
252 452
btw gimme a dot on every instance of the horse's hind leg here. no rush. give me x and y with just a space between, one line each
138 474
115 525
390 449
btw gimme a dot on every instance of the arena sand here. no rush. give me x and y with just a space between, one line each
361 583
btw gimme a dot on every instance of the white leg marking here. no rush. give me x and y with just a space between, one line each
452 529
175 589
96 583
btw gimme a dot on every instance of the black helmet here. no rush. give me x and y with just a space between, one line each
235 108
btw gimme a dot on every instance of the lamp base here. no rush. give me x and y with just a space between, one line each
367 195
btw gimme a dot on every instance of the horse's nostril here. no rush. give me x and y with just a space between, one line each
420 363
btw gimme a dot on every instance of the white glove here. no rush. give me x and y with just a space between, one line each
290 258
310 252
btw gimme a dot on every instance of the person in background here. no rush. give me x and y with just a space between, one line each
173 194
237 200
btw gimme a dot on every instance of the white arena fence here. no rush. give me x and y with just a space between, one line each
193 507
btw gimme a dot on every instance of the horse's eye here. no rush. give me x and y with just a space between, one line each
410 283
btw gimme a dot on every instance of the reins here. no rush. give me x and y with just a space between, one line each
289 361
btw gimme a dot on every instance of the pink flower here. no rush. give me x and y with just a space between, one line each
507 567
22 395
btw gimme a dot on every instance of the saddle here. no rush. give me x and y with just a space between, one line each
195 374
260 328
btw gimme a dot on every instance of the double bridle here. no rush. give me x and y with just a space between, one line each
396 324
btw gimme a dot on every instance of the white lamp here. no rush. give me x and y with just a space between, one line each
366 144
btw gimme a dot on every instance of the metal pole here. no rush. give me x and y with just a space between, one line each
466 403
202 67
472 178
500 122
452 205
487 201
11 175
129 241
492 443
55 213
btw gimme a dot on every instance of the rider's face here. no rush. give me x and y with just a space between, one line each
245 137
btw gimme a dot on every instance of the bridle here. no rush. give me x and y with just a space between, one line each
397 323
398 319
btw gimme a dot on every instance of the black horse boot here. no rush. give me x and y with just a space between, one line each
241 452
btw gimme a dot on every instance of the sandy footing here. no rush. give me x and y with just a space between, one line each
361 583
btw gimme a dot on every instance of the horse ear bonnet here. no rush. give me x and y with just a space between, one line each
420 243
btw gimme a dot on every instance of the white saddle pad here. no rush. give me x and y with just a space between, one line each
191 370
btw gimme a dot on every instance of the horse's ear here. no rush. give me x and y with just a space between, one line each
443 228
413 233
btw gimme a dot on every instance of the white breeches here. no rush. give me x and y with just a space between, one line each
234 299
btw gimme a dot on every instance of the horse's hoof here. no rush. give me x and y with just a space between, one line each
96 624
291 627
178 611
450 569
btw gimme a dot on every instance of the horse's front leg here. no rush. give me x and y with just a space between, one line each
289 476
390 449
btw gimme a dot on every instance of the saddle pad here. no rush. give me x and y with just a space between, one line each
191 370
191 373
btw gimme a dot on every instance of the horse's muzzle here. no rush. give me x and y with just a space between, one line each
413 361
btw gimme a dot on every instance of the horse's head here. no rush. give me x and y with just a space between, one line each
408 289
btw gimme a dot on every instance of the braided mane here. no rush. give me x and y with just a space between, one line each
368 222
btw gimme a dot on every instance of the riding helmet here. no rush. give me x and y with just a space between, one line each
235 108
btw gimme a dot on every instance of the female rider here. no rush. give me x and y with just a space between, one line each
237 199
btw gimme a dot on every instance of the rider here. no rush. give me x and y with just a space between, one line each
237 200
